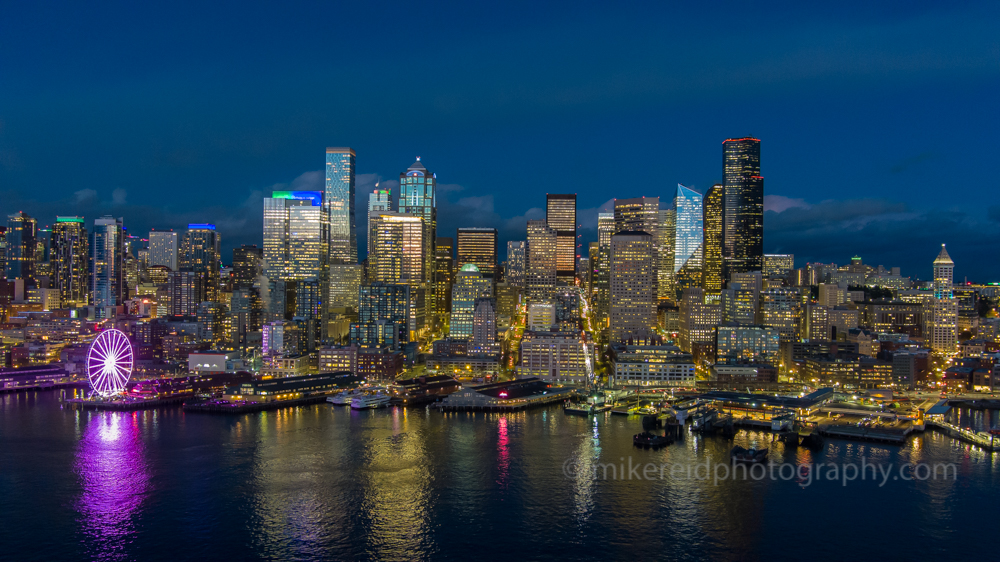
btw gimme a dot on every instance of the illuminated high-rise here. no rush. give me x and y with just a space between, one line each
639 214
540 270
633 287
516 259
602 278
418 197
295 246
379 201
470 284
688 238
711 266
163 249
778 265
200 254
338 203
478 246
398 250
941 311
665 287
743 207
22 231
70 257
107 265
560 215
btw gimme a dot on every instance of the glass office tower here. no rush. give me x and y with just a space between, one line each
338 204
743 207
478 246
560 215
295 246
70 257
688 237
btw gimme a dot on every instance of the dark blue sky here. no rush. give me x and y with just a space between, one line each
878 123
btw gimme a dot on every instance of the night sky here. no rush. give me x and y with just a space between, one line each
878 123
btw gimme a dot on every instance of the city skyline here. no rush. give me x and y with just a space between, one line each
879 199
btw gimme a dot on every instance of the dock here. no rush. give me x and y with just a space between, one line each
124 405
223 407
966 435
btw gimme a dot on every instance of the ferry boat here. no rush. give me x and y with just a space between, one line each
344 398
370 401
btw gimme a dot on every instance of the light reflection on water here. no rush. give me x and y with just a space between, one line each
320 482
115 479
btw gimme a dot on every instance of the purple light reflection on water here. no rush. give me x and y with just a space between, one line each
115 478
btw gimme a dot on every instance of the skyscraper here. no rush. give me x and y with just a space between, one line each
398 249
711 268
22 231
633 287
444 273
70 257
688 238
107 264
942 310
247 263
516 256
639 214
294 228
778 265
379 201
478 246
341 233
383 312
418 197
665 288
605 229
200 254
484 326
184 288
163 249
743 207
470 284
540 277
560 215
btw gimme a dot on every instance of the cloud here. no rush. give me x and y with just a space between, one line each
118 197
779 203
993 213
85 195
903 165
885 233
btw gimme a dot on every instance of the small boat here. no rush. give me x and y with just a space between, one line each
578 409
344 398
739 454
370 401
651 440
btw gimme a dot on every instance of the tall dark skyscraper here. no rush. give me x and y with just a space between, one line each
560 215
20 261
743 207
478 246
711 272
444 273
246 265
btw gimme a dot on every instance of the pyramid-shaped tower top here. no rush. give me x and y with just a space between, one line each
943 258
